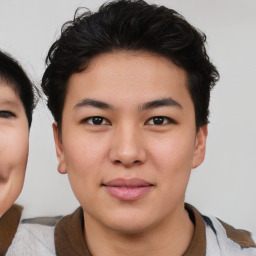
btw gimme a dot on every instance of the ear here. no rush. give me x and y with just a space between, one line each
200 146
62 168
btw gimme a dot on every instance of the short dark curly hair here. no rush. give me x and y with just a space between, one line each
131 26
14 76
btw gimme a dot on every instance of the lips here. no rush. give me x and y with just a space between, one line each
128 189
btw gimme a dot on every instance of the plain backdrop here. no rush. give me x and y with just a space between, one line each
224 185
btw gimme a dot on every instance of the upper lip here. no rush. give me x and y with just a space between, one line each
122 182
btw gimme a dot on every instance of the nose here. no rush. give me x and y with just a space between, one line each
127 147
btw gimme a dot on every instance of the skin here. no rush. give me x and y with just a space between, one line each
129 144
14 132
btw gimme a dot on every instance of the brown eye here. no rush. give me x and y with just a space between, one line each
160 120
96 120
6 114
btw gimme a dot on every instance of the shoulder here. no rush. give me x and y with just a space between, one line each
33 238
228 240
214 237
9 223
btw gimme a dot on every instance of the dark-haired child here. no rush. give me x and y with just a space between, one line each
16 107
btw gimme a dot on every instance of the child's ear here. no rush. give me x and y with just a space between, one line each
62 168
200 146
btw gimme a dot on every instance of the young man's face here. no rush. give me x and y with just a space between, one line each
13 146
128 140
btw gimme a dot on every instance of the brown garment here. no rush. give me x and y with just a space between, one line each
240 236
69 237
198 243
8 226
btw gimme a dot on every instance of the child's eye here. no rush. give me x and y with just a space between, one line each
6 114
96 120
160 120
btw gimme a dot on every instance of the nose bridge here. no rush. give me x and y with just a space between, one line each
127 146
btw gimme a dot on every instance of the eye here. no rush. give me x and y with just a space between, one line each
96 120
6 114
160 120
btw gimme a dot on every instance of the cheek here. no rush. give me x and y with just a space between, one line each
173 154
172 159
20 144
14 148
84 154
84 163
177 151
13 160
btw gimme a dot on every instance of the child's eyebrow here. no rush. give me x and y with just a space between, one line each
160 103
93 103
8 103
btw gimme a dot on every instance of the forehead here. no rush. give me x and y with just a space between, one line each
138 74
8 95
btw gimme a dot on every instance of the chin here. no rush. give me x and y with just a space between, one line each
129 225
129 229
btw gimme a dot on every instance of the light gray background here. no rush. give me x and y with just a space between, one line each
224 185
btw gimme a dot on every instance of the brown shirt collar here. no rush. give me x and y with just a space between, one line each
8 226
198 243
69 237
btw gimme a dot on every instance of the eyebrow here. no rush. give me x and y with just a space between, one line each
161 103
8 103
93 103
148 105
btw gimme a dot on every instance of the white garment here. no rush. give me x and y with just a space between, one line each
32 240
220 245
38 240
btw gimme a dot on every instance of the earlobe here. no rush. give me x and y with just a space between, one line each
200 146
59 150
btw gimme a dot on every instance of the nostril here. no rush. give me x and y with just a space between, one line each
127 162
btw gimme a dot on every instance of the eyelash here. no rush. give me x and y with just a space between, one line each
6 114
96 118
103 121
166 120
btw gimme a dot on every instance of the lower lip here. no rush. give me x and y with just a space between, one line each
128 193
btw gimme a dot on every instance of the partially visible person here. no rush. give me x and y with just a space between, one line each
17 102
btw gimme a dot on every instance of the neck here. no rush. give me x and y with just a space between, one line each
170 237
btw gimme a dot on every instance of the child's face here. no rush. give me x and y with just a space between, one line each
14 133
129 141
